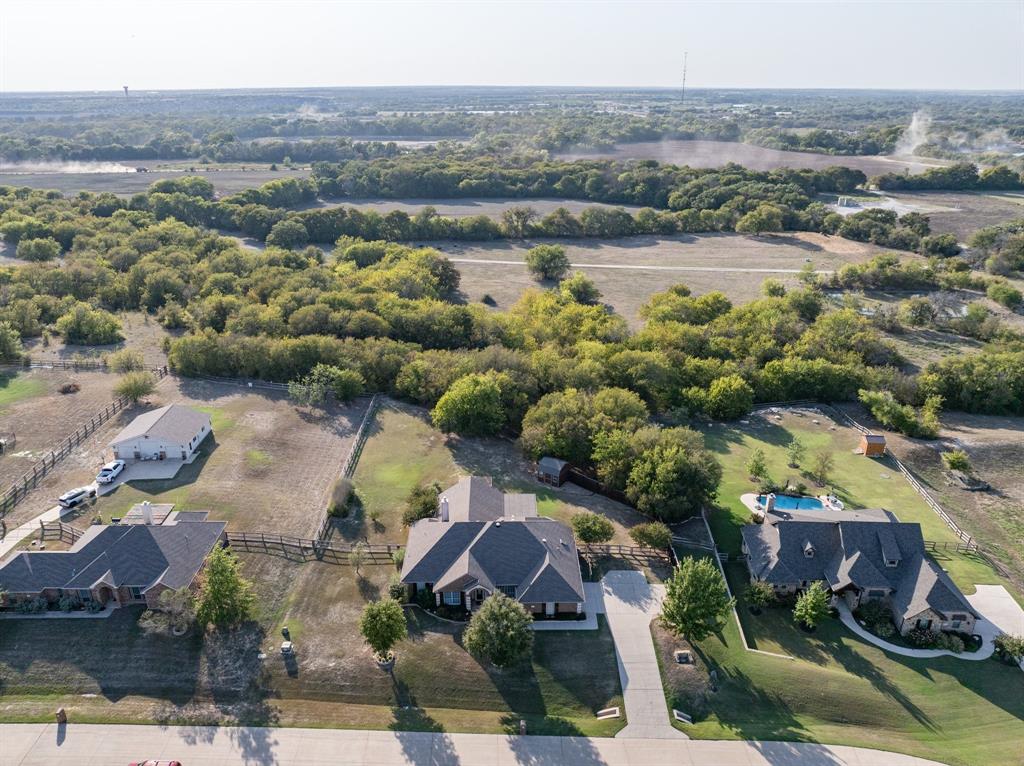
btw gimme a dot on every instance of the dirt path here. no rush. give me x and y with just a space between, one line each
635 266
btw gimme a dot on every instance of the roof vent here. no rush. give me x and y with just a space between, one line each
497 523
808 549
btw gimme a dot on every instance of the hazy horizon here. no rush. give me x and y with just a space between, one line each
51 46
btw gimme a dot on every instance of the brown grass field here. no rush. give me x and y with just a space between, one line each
963 213
733 263
712 154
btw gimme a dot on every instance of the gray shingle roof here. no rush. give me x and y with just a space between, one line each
853 553
484 546
175 422
122 556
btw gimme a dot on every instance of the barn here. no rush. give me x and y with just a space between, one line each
173 432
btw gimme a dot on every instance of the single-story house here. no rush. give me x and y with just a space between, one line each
859 560
483 541
551 470
166 433
119 564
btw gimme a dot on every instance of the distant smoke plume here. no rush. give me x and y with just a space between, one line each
63 167
916 133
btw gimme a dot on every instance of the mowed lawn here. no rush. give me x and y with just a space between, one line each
841 690
860 482
405 451
14 388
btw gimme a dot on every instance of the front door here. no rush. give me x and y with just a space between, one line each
478 597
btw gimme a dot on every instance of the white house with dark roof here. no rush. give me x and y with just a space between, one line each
871 557
483 541
117 564
173 432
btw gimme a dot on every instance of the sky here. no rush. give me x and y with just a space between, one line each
48 45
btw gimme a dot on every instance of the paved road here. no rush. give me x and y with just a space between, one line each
639 266
83 745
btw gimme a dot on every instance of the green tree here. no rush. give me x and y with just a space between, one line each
44 249
225 597
729 397
290 234
382 625
795 452
673 482
421 504
10 343
126 360
821 467
1010 649
763 219
499 631
85 325
812 605
696 599
471 406
1001 292
346 385
773 288
757 465
592 528
760 594
653 534
547 261
517 221
581 289
135 385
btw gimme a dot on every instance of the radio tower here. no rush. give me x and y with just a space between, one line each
682 96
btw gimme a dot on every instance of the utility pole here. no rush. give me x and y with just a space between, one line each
682 96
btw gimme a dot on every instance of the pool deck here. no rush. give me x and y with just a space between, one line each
826 513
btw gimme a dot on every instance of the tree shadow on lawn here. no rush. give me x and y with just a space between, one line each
720 436
414 728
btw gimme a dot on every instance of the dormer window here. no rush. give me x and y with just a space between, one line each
892 562
808 550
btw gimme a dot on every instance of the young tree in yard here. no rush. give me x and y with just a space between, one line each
499 631
592 528
821 467
357 557
383 625
757 465
696 599
795 452
421 504
180 607
812 606
135 385
471 406
225 597
547 261
957 460
653 534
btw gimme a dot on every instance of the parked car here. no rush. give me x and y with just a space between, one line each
110 471
74 497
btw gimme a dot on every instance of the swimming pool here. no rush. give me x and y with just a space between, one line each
792 503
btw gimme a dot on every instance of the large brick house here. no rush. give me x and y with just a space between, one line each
483 541
117 564
872 557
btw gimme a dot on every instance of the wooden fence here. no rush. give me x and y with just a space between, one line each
348 468
634 552
58 530
580 479
31 478
75 365
302 549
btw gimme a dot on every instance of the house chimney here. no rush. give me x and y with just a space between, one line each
147 512
444 508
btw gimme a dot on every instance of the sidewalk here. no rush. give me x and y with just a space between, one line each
84 745
29 528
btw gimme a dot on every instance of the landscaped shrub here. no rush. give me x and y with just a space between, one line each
397 589
341 495
760 594
923 638
1009 649
398 557
957 460
31 605
68 602
653 534
950 642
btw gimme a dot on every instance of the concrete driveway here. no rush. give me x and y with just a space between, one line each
630 603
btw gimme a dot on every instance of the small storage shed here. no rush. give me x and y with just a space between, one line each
551 470
872 445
